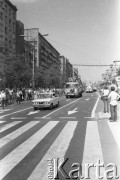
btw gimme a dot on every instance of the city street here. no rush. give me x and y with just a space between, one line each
33 143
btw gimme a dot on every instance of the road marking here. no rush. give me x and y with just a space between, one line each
115 129
6 139
7 126
42 118
87 99
92 149
14 157
72 112
61 107
57 150
33 112
15 112
2 122
4 110
18 117
67 99
67 117
94 109
88 117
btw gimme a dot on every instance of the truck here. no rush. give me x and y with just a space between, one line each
73 88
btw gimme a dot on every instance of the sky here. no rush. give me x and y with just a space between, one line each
84 31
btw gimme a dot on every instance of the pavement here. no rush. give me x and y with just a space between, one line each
102 115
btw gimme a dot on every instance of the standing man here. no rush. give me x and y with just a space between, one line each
3 98
113 97
105 93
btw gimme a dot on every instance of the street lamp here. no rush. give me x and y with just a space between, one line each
33 68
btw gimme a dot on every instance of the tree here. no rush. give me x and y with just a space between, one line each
52 76
15 72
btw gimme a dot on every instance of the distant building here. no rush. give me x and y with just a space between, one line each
75 72
66 69
7 27
45 54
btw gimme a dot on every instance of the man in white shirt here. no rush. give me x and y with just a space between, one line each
113 97
3 98
105 94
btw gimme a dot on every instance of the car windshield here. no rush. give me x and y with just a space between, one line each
44 96
71 85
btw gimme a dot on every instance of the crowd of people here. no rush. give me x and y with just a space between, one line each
12 96
110 97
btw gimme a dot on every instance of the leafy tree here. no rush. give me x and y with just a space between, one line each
15 72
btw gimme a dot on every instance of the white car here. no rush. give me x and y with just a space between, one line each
89 89
46 100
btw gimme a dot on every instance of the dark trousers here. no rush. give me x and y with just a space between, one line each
106 105
3 103
113 111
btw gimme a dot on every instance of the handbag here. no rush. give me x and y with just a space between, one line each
104 98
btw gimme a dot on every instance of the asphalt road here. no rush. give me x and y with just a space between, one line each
37 145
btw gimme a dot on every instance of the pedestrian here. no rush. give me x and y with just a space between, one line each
104 97
18 96
113 98
3 98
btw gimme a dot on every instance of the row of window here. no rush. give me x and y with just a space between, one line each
7 9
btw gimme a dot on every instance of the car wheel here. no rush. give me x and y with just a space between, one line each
35 108
58 104
51 106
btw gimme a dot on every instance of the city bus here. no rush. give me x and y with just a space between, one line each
73 89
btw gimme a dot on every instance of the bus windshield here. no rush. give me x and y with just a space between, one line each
71 85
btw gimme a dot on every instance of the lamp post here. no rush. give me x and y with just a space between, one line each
33 60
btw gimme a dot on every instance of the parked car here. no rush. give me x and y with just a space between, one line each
46 100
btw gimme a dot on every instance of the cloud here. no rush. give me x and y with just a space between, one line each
24 1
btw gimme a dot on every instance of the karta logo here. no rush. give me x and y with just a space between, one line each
56 169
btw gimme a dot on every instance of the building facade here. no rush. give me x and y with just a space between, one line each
45 54
7 27
66 70
75 72
19 39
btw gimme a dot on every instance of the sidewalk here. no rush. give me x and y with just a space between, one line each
114 126
102 115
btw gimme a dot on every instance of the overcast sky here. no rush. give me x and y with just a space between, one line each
84 31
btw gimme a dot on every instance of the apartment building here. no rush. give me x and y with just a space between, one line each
20 49
45 54
7 27
66 69
75 72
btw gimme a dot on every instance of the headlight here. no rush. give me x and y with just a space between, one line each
76 91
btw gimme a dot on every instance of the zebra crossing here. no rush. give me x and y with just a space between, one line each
25 151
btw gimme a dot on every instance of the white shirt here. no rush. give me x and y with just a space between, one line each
113 96
105 92
3 95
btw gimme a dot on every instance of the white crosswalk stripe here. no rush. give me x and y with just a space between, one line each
115 129
92 148
2 122
57 149
6 139
7 126
13 158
